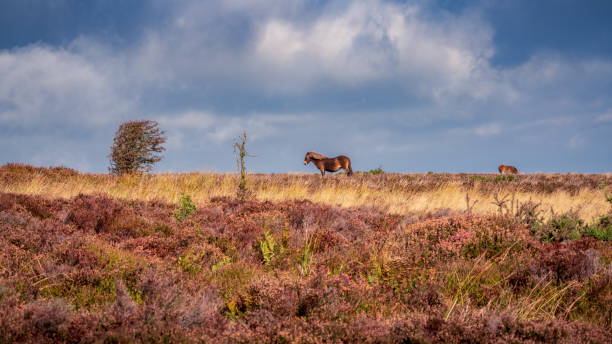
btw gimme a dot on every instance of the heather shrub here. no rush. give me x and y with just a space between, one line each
294 271
438 240
572 260
34 205
595 305
123 307
46 318
92 213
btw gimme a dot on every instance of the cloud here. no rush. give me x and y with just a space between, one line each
374 41
218 129
292 49
606 117
488 129
576 141
46 85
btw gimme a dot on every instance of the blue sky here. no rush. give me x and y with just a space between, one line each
412 86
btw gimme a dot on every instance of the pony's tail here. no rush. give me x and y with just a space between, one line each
350 169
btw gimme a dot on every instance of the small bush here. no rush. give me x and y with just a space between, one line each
268 247
505 178
569 260
601 230
480 178
559 228
186 208
378 170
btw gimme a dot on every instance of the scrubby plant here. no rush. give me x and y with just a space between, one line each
600 229
136 147
505 178
268 247
529 212
305 257
480 178
240 152
375 171
559 227
186 208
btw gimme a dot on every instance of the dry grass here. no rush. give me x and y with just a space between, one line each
393 193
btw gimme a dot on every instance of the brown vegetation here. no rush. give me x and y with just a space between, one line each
96 268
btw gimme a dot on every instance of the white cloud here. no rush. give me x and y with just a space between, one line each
488 129
218 129
289 49
370 41
41 84
606 117
576 141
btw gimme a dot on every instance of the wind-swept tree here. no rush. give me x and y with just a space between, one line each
136 147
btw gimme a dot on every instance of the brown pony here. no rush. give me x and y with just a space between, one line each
506 169
324 163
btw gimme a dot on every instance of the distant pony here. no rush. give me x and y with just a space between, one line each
324 163
506 169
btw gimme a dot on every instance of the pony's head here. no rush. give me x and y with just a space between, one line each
313 156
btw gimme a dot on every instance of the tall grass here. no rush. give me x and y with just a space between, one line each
393 193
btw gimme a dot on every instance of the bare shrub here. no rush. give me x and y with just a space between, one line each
469 206
241 153
528 212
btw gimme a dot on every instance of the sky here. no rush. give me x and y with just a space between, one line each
408 86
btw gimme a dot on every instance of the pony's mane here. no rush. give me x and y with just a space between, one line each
317 156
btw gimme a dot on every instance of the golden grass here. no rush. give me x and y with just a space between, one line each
396 194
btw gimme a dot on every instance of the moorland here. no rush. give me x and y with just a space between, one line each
375 257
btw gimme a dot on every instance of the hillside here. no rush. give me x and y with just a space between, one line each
89 258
